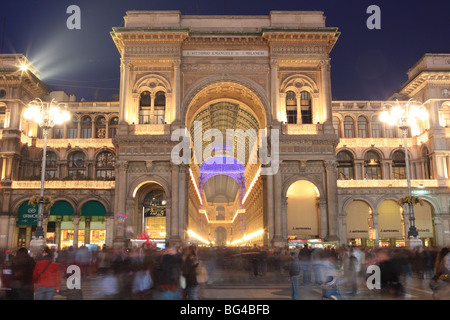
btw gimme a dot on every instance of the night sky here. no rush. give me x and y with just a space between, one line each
366 64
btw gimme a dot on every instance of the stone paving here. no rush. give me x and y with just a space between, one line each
235 285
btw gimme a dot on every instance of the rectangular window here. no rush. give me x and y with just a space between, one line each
391 132
86 133
58 133
373 173
376 130
72 133
399 173
159 116
144 116
291 116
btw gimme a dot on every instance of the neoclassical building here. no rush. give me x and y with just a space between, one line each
225 133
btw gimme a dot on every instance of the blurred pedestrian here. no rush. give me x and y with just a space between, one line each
190 264
22 276
170 272
46 276
83 260
440 284
202 278
304 256
294 274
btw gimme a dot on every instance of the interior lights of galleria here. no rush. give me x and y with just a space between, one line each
109 172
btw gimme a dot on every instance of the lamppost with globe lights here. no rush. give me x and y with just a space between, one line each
46 115
404 116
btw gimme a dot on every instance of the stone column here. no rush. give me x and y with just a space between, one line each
269 207
183 200
124 82
322 206
152 108
120 196
326 90
376 241
331 190
87 230
299 108
274 89
58 232
278 235
177 89
283 106
284 229
172 219
76 225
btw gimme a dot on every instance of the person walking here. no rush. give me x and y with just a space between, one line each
170 272
294 273
46 276
22 276
189 267
305 263
440 284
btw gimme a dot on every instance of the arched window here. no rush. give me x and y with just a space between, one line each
160 107
337 126
363 128
104 166
399 165
306 109
145 99
100 127
86 127
113 124
376 127
2 117
144 107
50 165
345 165
291 107
349 129
77 165
72 128
220 213
372 166
155 198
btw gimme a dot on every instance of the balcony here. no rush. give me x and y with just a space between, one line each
386 183
69 184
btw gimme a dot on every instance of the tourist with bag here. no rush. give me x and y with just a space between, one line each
46 276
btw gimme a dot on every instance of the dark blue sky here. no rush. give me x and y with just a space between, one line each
366 64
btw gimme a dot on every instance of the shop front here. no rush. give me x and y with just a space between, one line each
359 224
93 218
26 224
391 231
64 229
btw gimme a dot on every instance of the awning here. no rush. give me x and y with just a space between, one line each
93 209
61 208
27 214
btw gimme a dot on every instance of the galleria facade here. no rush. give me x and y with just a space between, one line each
335 175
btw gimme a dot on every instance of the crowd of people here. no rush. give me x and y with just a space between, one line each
147 272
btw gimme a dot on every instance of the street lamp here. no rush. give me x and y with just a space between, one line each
404 116
46 115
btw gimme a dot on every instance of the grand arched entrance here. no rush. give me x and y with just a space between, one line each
225 202
303 212
149 222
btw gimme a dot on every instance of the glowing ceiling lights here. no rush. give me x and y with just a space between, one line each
258 173
195 186
248 237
